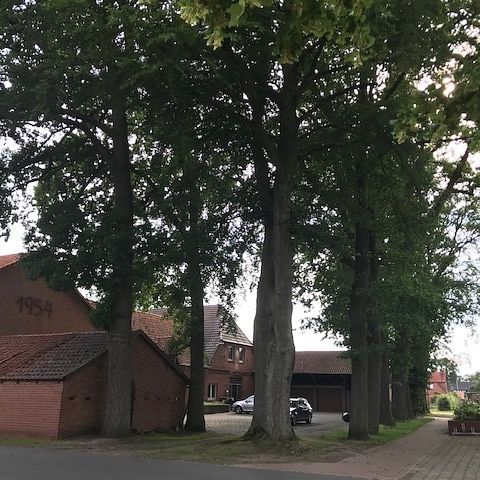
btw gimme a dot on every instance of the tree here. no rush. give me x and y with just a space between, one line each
71 72
272 60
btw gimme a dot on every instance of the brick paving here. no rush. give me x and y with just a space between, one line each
428 453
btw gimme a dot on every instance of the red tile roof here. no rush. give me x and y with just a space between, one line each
55 356
216 331
6 260
158 327
331 362
48 357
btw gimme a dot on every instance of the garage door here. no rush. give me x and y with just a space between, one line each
329 399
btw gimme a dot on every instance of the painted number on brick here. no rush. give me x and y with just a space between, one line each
34 306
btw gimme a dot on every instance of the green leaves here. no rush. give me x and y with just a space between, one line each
236 11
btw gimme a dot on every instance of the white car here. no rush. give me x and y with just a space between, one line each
244 405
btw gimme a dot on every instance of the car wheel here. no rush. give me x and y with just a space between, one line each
238 409
309 419
293 420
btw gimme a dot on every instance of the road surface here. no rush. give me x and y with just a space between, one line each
20 463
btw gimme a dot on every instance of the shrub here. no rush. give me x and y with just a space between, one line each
467 412
447 402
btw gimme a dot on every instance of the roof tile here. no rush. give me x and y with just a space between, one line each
327 362
6 260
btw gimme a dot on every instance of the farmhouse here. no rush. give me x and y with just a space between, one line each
229 364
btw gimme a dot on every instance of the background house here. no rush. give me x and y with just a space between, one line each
437 384
324 379
229 362
461 388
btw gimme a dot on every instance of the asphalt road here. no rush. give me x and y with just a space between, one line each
19 463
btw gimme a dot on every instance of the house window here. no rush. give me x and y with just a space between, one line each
231 353
241 355
212 391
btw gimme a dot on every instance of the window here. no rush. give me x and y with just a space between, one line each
212 391
241 355
231 353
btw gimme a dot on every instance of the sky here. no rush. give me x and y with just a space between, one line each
463 346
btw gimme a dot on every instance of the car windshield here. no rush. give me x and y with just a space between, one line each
293 403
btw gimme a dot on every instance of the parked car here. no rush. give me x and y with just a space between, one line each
244 405
300 411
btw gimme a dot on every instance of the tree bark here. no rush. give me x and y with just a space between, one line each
273 339
386 416
374 377
195 415
399 397
374 345
117 421
358 426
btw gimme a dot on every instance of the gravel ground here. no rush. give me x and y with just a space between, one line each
231 423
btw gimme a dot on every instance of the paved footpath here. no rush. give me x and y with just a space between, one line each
428 453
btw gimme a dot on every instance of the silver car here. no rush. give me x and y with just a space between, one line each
244 405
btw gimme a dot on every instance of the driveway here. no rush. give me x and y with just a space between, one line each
233 424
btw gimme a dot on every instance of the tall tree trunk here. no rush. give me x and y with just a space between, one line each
374 377
358 427
117 421
386 416
374 346
399 396
195 416
273 338
408 399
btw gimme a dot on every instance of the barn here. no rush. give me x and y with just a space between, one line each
54 385
53 363
324 379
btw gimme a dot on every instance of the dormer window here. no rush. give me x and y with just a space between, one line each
230 353
241 355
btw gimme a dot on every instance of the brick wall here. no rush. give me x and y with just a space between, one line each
220 359
159 391
83 399
68 313
30 409
221 369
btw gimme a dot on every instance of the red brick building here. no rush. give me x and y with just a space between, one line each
437 384
229 363
54 385
34 398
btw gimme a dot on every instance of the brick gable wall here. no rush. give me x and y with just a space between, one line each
68 312
83 399
159 391
30 409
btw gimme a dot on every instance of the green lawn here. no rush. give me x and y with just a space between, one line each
435 412
386 434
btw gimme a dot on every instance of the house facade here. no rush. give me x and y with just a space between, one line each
229 361
437 384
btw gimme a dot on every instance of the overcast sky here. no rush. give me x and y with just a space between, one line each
464 345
